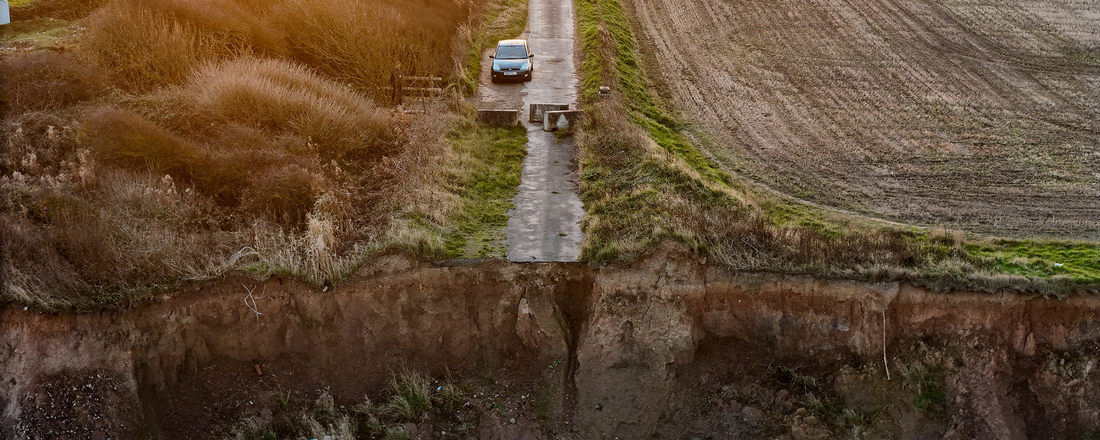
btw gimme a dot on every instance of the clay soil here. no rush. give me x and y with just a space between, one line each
667 348
982 116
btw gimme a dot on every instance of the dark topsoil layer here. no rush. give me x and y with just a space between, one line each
667 348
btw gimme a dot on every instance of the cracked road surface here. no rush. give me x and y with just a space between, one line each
546 223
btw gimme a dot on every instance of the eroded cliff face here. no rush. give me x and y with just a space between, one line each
665 347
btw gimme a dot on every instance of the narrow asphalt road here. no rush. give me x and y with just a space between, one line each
546 223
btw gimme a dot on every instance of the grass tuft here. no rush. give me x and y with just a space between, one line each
284 195
280 96
412 396
927 381
144 48
39 81
127 140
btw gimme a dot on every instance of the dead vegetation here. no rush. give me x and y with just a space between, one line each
180 140
414 406
41 81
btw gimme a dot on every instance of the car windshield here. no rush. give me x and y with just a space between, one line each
511 52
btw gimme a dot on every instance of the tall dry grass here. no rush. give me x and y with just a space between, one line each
150 43
144 49
205 136
237 22
63 248
128 140
285 97
368 43
147 44
39 81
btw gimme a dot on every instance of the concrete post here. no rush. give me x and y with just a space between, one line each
498 117
537 110
561 119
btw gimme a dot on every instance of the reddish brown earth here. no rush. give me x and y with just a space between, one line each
667 348
983 116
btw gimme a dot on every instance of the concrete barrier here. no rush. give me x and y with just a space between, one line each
498 117
537 110
561 119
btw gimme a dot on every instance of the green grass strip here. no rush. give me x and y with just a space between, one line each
39 32
1039 259
645 109
492 181
504 20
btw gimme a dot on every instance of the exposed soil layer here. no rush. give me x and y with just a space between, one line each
669 347
981 116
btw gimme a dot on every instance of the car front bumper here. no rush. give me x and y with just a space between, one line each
512 75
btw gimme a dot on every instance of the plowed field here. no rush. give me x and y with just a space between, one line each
971 114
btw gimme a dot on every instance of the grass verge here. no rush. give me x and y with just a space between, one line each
41 33
503 20
490 180
643 181
458 207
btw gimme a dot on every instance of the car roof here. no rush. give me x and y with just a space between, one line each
512 42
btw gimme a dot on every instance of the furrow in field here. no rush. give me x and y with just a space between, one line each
905 109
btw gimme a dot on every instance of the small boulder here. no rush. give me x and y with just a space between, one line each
752 415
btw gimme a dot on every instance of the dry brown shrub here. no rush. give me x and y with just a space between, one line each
83 241
284 97
284 195
244 172
240 28
35 142
53 207
57 250
366 43
224 174
125 139
45 80
223 159
145 48
33 272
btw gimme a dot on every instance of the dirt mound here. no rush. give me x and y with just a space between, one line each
669 347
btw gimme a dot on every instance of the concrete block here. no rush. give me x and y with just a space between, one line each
561 119
498 117
537 110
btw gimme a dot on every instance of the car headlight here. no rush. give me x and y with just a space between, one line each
526 66
496 68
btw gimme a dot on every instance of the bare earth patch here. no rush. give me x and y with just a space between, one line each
973 115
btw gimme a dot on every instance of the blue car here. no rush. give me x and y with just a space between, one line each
512 61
